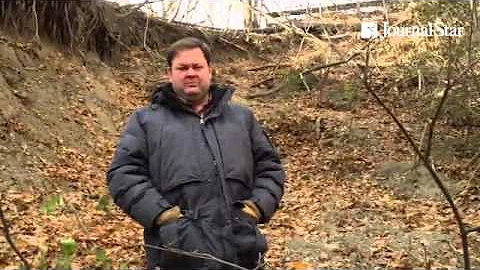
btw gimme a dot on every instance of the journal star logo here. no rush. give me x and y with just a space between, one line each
370 30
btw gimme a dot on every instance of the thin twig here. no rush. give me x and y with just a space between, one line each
420 146
330 38
474 229
146 30
300 47
474 173
233 44
6 232
269 66
419 72
35 20
472 161
304 82
195 254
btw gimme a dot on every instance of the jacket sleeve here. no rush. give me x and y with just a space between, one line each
268 172
128 177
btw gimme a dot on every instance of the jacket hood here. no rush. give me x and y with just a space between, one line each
165 95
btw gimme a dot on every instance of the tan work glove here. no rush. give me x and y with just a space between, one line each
252 210
168 215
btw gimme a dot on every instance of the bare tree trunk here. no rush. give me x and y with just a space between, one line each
359 14
250 20
250 16
385 10
473 5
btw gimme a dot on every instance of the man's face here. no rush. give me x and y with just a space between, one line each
190 74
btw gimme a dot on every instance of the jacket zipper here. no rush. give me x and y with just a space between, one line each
217 170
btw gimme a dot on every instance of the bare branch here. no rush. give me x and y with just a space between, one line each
315 68
473 6
268 92
422 142
199 255
6 232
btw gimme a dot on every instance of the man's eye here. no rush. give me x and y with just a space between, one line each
197 67
182 68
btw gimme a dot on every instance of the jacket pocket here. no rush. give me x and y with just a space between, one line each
167 237
246 236
168 233
191 236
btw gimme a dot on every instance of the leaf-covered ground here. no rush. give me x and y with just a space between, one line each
340 209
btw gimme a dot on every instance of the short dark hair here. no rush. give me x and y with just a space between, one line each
187 44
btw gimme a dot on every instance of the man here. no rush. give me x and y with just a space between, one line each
195 170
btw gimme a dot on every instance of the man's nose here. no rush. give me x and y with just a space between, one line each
191 71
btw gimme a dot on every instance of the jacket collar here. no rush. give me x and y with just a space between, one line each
165 95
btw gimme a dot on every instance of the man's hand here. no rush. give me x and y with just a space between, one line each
251 209
168 215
